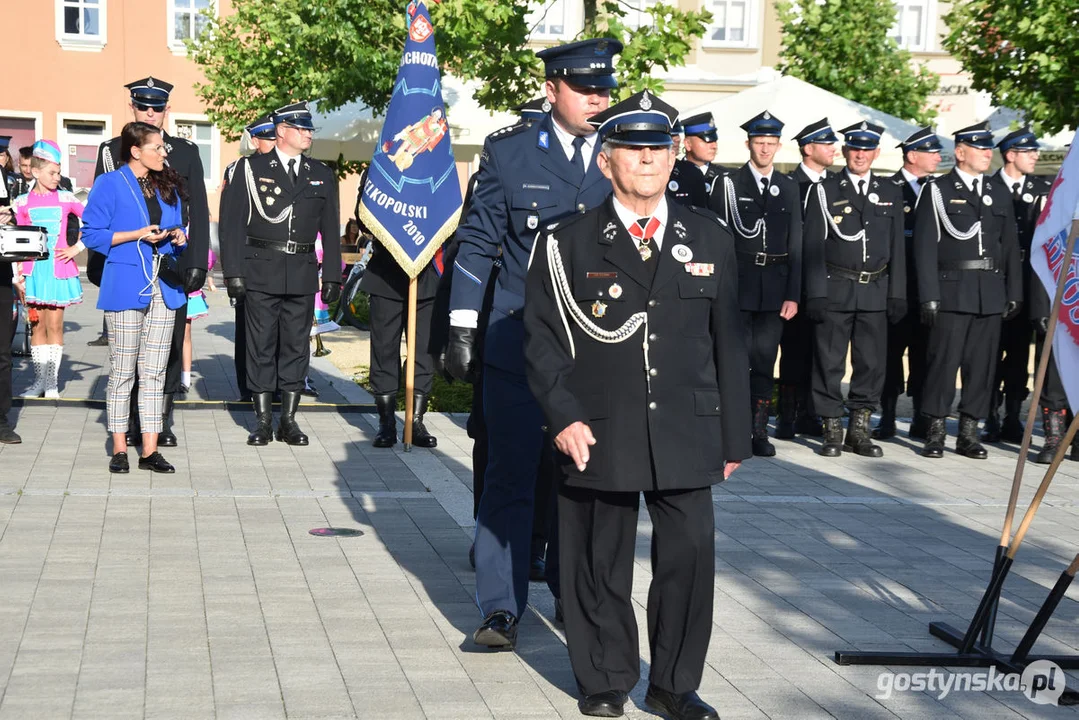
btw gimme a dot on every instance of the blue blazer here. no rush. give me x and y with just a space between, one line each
115 205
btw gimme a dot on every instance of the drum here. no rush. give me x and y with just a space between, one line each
23 242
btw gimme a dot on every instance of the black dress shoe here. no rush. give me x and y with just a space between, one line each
101 341
119 463
155 463
8 436
605 704
679 706
498 631
133 437
537 570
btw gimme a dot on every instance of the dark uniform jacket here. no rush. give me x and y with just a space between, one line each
694 418
967 291
910 202
880 213
687 185
315 209
764 282
525 181
805 183
184 158
1028 206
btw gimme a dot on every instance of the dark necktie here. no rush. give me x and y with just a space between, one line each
292 170
643 230
764 186
1017 190
977 190
578 157
861 188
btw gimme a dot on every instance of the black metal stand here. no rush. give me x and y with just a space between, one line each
972 653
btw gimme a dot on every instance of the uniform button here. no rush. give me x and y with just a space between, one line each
533 204
651 406
581 207
651 303
653 337
653 372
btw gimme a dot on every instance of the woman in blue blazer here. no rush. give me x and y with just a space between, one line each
134 217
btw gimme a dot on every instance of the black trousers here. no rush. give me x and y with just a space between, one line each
906 336
389 318
763 331
278 340
796 345
598 531
866 334
960 342
239 356
7 328
1013 359
1053 396
176 352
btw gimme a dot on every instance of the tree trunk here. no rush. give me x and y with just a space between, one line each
589 16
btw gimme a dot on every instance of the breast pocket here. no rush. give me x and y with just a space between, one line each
533 208
696 296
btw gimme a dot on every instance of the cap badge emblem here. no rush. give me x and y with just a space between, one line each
646 104
767 115
546 107
865 125
149 82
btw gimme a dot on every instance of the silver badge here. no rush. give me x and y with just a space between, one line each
546 107
865 125
277 191
774 190
906 208
533 222
610 230
987 200
679 229
149 82
645 103
873 198
615 291
673 186
269 201
767 115
273 163
262 188
847 210
682 253
1028 198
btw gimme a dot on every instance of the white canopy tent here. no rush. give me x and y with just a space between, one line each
798 103
353 129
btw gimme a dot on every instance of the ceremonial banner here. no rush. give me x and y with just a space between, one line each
412 197
1047 258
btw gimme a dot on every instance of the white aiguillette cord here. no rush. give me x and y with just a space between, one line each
856 237
140 200
942 217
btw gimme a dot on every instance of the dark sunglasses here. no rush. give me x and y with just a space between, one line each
145 108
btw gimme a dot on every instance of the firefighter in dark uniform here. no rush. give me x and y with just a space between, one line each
150 104
387 286
700 146
1019 151
529 176
763 210
966 255
278 204
794 411
921 155
666 418
855 285
262 136
687 185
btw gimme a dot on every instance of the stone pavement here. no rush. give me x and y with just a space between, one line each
202 594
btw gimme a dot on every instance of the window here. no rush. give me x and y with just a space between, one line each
637 13
186 22
203 134
81 24
913 20
548 21
79 140
733 23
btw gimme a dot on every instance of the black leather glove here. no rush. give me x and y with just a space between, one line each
1041 325
815 309
1012 309
235 288
460 360
897 310
929 312
194 279
331 292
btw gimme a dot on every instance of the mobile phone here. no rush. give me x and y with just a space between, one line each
170 229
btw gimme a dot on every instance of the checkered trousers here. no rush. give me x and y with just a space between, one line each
138 339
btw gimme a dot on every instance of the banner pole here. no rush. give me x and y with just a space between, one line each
410 363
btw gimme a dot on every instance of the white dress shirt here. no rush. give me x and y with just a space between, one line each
860 178
811 174
285 158
757 177
565 139
914 180
629 218
969 179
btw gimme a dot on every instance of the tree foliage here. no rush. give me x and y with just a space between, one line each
843 46
272 52
1024 54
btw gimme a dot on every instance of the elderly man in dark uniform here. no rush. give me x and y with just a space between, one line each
636 352
687 185
1019 150
150 104
529 176
921 155
279 202
855 284
263 137
794 409
764 212
966 254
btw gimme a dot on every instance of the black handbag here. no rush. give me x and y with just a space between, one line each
168 272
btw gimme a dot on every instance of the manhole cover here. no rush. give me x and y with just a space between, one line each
336 532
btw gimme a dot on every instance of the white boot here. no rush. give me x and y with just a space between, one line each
38 356
52 371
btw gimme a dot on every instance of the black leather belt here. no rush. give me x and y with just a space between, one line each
761 259
983 264
289 247
861 276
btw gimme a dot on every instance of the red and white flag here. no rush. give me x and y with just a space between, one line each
1047 258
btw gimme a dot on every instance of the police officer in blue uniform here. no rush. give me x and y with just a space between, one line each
529 176
794 408
763 210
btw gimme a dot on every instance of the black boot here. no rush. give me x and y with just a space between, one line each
991 434
387 421
886 427
919 426
833 437
287 429
166 438
967 443
785 412
420 436
934 437
263 432
134 424
1011 430
858 440
761 446
805 422
1053 425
